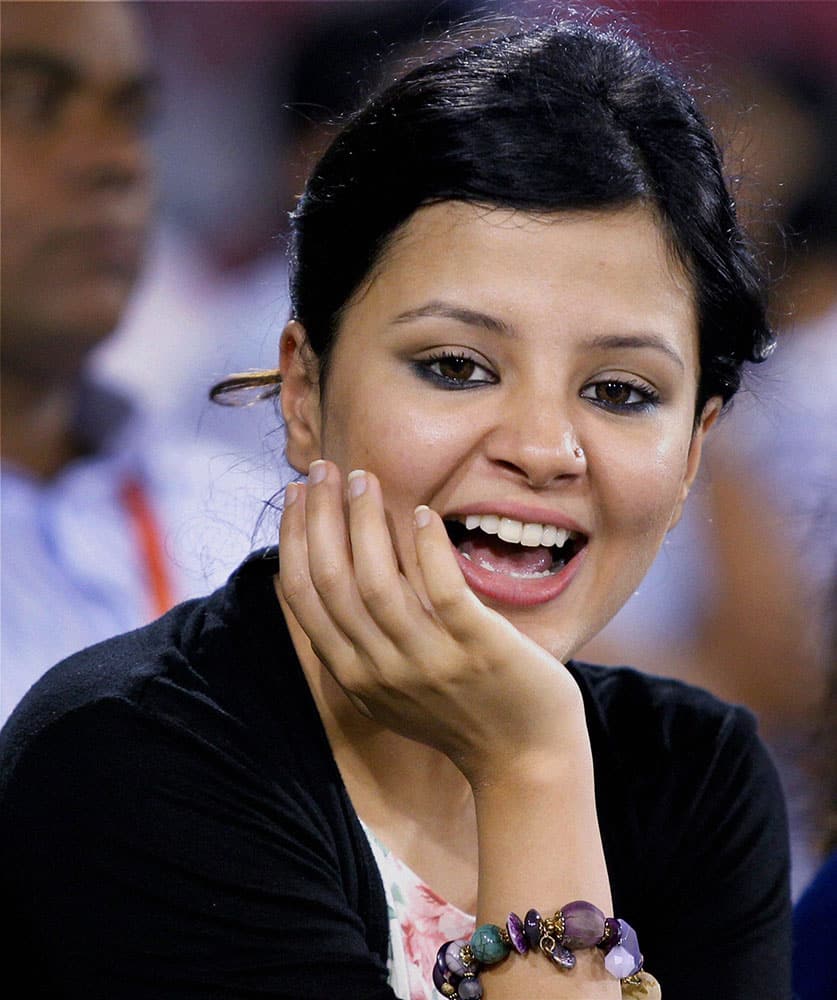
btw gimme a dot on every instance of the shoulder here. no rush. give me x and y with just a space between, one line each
661 714
682 758
118 671
200 668
207 704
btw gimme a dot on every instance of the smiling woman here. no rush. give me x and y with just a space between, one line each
520 299
540 370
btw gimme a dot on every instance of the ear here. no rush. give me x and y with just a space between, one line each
707 419
299 397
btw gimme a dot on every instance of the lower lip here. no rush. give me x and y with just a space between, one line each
515 591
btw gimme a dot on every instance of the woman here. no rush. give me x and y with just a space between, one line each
520 300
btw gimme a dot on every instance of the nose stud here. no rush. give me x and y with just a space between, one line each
578 451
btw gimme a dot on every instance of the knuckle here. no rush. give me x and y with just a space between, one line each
293 584
456 611
376 591
355 684
327 577
448 602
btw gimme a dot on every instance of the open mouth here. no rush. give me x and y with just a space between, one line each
517 549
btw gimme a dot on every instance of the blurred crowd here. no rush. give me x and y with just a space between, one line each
148 262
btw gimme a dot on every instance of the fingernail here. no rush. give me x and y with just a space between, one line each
291 494
317 472
357 483
422 516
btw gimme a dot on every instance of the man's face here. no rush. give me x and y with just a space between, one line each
77 190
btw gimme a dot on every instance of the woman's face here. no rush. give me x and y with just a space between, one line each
538 369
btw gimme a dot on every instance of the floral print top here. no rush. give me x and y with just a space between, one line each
420 922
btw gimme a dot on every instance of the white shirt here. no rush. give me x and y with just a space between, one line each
73 570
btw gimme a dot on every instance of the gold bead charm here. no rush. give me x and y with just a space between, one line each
642 986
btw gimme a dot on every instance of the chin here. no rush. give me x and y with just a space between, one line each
559 641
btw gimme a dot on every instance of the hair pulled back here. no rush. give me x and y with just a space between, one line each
552 118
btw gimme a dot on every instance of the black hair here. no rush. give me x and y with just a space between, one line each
552 118
342 58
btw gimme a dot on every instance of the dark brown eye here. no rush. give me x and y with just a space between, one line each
620 396
32 99
614 393
456 369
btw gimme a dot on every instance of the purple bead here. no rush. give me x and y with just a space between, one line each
584 925
532 928
629 940
620 963
517 935
441 964
612 931
453 960
442 973
439 977
625 958
561 956
470 989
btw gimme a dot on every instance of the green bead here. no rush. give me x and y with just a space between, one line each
487 944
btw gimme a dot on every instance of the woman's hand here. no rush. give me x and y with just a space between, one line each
439 666
427 659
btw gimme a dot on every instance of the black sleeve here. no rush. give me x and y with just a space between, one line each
141 862
719 923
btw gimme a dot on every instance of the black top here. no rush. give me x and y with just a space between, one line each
173 824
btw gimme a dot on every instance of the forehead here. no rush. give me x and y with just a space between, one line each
556 281
101 42
622 257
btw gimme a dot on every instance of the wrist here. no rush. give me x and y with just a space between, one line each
561 765
568 940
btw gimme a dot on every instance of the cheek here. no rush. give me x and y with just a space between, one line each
643 485
20 238
35 194
410 449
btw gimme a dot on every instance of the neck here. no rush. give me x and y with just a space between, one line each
37 422
411 795
379 766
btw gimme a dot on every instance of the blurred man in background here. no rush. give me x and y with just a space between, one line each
76 208
101 528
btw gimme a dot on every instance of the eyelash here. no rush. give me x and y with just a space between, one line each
649 397
424 367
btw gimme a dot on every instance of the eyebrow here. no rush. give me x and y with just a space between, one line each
638 342
472 317
39 62
446 310
64 72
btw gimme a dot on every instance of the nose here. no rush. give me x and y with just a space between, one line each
534 439
104 152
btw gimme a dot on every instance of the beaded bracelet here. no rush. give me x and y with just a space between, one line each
575 926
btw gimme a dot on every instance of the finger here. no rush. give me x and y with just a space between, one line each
454 603
457 607
330 560
330 644
384 590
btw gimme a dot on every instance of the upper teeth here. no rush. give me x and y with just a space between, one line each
518 531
